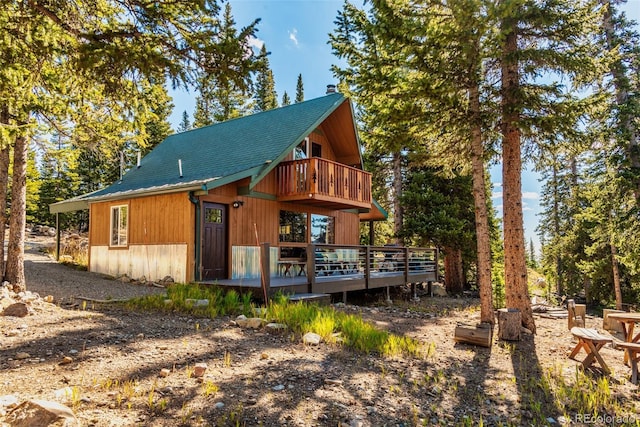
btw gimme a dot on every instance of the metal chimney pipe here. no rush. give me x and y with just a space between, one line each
331 89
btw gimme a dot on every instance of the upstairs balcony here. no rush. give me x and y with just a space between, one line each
325 183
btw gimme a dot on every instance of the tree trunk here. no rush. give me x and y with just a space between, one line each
480 208
453 276
397 189
17 220
4 185
515 268
616 276
626 118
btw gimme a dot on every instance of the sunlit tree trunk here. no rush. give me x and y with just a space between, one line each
515 266
17 220
480 208
4 181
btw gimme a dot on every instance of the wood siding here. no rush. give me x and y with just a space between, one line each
166 219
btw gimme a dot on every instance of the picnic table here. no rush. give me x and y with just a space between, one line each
628 321
631 346
591 341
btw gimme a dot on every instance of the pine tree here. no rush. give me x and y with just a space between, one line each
59 69
285 99
299 90
185 123
266 97
224 87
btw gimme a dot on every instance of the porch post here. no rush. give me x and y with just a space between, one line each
371 233
265 270
57 236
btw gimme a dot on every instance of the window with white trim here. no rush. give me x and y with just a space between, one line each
119 225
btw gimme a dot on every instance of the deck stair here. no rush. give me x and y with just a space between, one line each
322 299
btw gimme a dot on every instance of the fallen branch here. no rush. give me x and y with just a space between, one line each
104 301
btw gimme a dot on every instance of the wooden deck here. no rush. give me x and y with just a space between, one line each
336 268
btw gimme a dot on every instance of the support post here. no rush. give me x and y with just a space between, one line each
57 236
265 271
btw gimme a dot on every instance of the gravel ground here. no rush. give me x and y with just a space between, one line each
117 367
45 276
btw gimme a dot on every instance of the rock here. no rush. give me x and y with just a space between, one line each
164 372
8 401
63 394
252 323
438 290
333 382
18 309
22 355
279 387
48 298
42 413
66 360
275 327
199 369
311 338
199 302
219 405
264 356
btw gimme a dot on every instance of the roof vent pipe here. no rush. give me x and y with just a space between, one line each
331 89
139 155
180 167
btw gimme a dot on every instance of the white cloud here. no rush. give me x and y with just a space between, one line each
255 42
496 184
530 195
293 36
496 195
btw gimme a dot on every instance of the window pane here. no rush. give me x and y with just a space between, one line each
119 221
322 229
293 227
213 215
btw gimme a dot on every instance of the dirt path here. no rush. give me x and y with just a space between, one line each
47 277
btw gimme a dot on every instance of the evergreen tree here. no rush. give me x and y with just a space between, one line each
439 210
59 68
285 99
224 88
299 90
185 123
266 97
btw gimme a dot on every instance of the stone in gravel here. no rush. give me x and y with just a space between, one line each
66 360
22 355
333 382
275 327
219 405
164 372
63 394
253 322
18 309
279 387
199 369
73 351
264 356
311 338
42 413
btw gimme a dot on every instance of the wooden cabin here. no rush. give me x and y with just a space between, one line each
278 194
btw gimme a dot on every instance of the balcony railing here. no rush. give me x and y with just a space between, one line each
321 180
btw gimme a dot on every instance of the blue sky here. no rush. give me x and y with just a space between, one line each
296 32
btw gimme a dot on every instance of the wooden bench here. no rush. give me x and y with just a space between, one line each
632 352
591 341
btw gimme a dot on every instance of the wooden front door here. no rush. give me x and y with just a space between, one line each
214 250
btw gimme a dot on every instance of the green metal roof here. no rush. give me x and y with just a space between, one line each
221 153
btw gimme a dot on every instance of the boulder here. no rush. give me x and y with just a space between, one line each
42 413
18 309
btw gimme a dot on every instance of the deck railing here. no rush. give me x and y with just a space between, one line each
324 180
